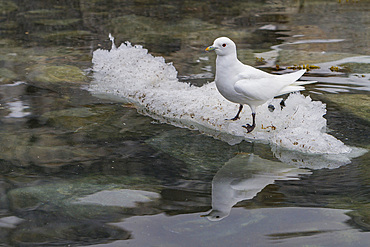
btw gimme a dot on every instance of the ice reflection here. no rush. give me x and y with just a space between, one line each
242 177
17 109
317 161
11 100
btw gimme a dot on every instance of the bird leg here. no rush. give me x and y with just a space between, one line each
251 127
237 115
282 104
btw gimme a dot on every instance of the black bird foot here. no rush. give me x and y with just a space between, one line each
237 115
282 104
249 127
233 119
271 108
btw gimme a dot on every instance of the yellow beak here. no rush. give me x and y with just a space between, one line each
210 48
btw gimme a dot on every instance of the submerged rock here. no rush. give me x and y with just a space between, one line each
19 57
72 136
165 37
6 43
357 104
7 75
119 198
57 22
58 232
190 147
104 122
56 74
8 27
362 68
44 149
299 57
93 197
69 37
7 6
92 190
41 13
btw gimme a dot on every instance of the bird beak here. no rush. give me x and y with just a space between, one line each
210 48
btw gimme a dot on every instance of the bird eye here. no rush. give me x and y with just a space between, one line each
223 45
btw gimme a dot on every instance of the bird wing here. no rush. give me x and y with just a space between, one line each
259 89
262 86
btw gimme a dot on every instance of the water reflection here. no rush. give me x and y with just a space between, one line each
245 175
242 177
59 146
291 226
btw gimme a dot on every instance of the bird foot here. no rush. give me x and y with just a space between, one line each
271 108
249 127
233 119
282 104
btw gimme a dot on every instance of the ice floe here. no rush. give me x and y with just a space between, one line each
130 74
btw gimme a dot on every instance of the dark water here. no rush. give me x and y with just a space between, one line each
76 170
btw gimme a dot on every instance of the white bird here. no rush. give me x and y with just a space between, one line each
243 84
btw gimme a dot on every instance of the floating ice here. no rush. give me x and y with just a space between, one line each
128 73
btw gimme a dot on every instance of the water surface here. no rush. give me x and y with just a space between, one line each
78 170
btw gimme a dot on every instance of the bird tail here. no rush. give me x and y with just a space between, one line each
294 78
298 83
293 84
290 89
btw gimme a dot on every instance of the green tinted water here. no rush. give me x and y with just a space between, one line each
76 170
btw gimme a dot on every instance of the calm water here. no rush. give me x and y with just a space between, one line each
76 170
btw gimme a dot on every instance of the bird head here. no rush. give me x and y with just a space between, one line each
222 46
216 215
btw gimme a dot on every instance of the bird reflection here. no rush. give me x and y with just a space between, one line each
242 177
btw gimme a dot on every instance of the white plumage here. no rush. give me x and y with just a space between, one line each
243 84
